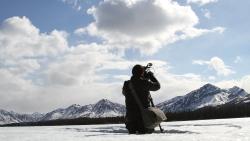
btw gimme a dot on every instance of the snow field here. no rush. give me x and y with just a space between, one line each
203 130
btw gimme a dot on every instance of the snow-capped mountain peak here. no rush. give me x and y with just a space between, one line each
209 86
75 105
103 102
237 91
106 108
207 95
103 108
7 117
205 90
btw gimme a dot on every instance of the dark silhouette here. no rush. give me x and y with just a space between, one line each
143 82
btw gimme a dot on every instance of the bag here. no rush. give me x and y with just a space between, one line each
151 116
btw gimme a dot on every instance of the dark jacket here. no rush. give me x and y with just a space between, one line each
142 88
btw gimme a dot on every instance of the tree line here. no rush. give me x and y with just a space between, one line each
219 112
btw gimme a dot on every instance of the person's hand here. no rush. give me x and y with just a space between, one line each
150 74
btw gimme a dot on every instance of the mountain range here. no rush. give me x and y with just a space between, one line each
207 95
103 108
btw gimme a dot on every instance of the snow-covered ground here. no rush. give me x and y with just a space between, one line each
203 130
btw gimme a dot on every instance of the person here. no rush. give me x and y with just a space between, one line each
143 82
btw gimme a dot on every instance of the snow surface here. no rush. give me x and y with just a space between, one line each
203 130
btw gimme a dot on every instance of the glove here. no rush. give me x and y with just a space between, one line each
149 75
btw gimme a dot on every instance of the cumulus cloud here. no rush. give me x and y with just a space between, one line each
143 24
44 73
237 60
206 13
17 35
21 44
16 93
216 64
202 2
82 63
41 72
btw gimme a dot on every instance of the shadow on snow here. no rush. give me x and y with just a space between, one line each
225 124
122 131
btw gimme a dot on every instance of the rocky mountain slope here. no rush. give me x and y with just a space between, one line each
207 95
103 108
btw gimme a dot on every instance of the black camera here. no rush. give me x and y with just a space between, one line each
147 72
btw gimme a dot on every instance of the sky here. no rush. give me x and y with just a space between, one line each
55 53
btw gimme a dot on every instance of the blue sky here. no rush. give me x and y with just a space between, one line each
233 42
70 50
47 14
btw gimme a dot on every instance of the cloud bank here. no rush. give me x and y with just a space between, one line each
146 25
41 71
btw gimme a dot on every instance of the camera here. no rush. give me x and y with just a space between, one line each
147 72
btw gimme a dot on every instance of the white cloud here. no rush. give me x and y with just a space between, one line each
16 92
21 44
206 13
242 83
201 2
245 81
217 64
17 35
143 24
41 72
237 60
24 53
211 78
122 77
76 4
80 64
47 73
